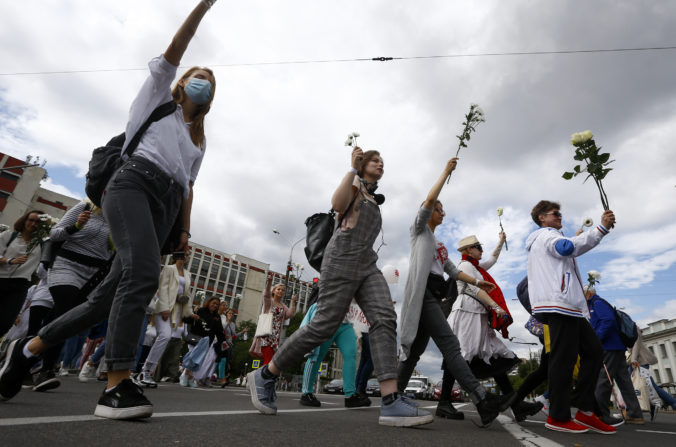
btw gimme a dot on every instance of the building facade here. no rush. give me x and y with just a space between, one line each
660 338
237 279
20 191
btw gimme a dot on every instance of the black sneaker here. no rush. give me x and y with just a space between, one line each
45 380
446 410
15 368
609 420
506 400
522 410
357 400
125 401
309 400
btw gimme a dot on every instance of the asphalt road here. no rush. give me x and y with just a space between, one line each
225 417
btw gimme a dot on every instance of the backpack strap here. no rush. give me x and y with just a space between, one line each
11 239
160 112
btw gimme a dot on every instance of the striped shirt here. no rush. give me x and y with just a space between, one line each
91 240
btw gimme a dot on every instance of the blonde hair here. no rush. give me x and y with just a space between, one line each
197 126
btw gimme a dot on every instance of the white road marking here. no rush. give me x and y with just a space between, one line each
11 422
662 432
523 436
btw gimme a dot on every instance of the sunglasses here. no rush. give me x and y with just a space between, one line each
477 246
554 213
440 211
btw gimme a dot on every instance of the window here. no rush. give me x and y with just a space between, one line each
652 351
211 283
670 378
656 372
204 269
223 276
663 351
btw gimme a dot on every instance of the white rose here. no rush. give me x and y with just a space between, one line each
586 136
355 134
348 142
594 274
576 138
499 211
588 222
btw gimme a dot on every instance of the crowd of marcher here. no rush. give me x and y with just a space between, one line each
103 304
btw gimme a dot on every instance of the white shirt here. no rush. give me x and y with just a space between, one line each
17 249
167 142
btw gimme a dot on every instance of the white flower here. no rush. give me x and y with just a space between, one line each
499 211
348 142
588 222
581 137
355 134
594 274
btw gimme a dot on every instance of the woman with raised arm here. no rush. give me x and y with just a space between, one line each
349 270
422 314
141 202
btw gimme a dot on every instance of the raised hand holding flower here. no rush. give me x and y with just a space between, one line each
472 120
596 163
499 212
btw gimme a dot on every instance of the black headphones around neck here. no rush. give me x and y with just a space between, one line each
371 188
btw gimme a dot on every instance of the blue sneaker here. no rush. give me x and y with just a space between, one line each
403 413
262 391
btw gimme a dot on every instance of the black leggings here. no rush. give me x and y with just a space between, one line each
12 295
65 298
535 378
38 316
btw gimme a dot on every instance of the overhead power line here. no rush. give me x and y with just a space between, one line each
366 59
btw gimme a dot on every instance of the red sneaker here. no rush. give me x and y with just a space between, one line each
594 423
567 426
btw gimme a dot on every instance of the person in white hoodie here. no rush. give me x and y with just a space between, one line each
557 298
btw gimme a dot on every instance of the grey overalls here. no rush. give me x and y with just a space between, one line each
349 270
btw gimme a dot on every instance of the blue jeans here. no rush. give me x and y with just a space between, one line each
96 357
72 349
140 204
365 363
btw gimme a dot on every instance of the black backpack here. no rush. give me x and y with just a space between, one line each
107 159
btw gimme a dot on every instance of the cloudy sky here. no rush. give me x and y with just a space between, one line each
70 69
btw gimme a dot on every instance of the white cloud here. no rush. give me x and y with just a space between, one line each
50 185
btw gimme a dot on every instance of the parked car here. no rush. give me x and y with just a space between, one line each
416 389
373 388
456 393
334 387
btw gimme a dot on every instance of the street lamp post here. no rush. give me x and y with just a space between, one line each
289 264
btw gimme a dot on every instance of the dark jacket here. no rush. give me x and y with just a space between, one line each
209 325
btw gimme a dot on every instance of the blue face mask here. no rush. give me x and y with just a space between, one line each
198 90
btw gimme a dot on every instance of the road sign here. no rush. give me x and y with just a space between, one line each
324 369
255 364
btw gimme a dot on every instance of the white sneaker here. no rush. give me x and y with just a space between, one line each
63 372
86 373
146 379
545 404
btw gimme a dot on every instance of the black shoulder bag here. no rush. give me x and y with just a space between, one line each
320 228
107 159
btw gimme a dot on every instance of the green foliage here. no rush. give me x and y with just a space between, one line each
596 166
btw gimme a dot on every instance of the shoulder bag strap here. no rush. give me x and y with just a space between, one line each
160 112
